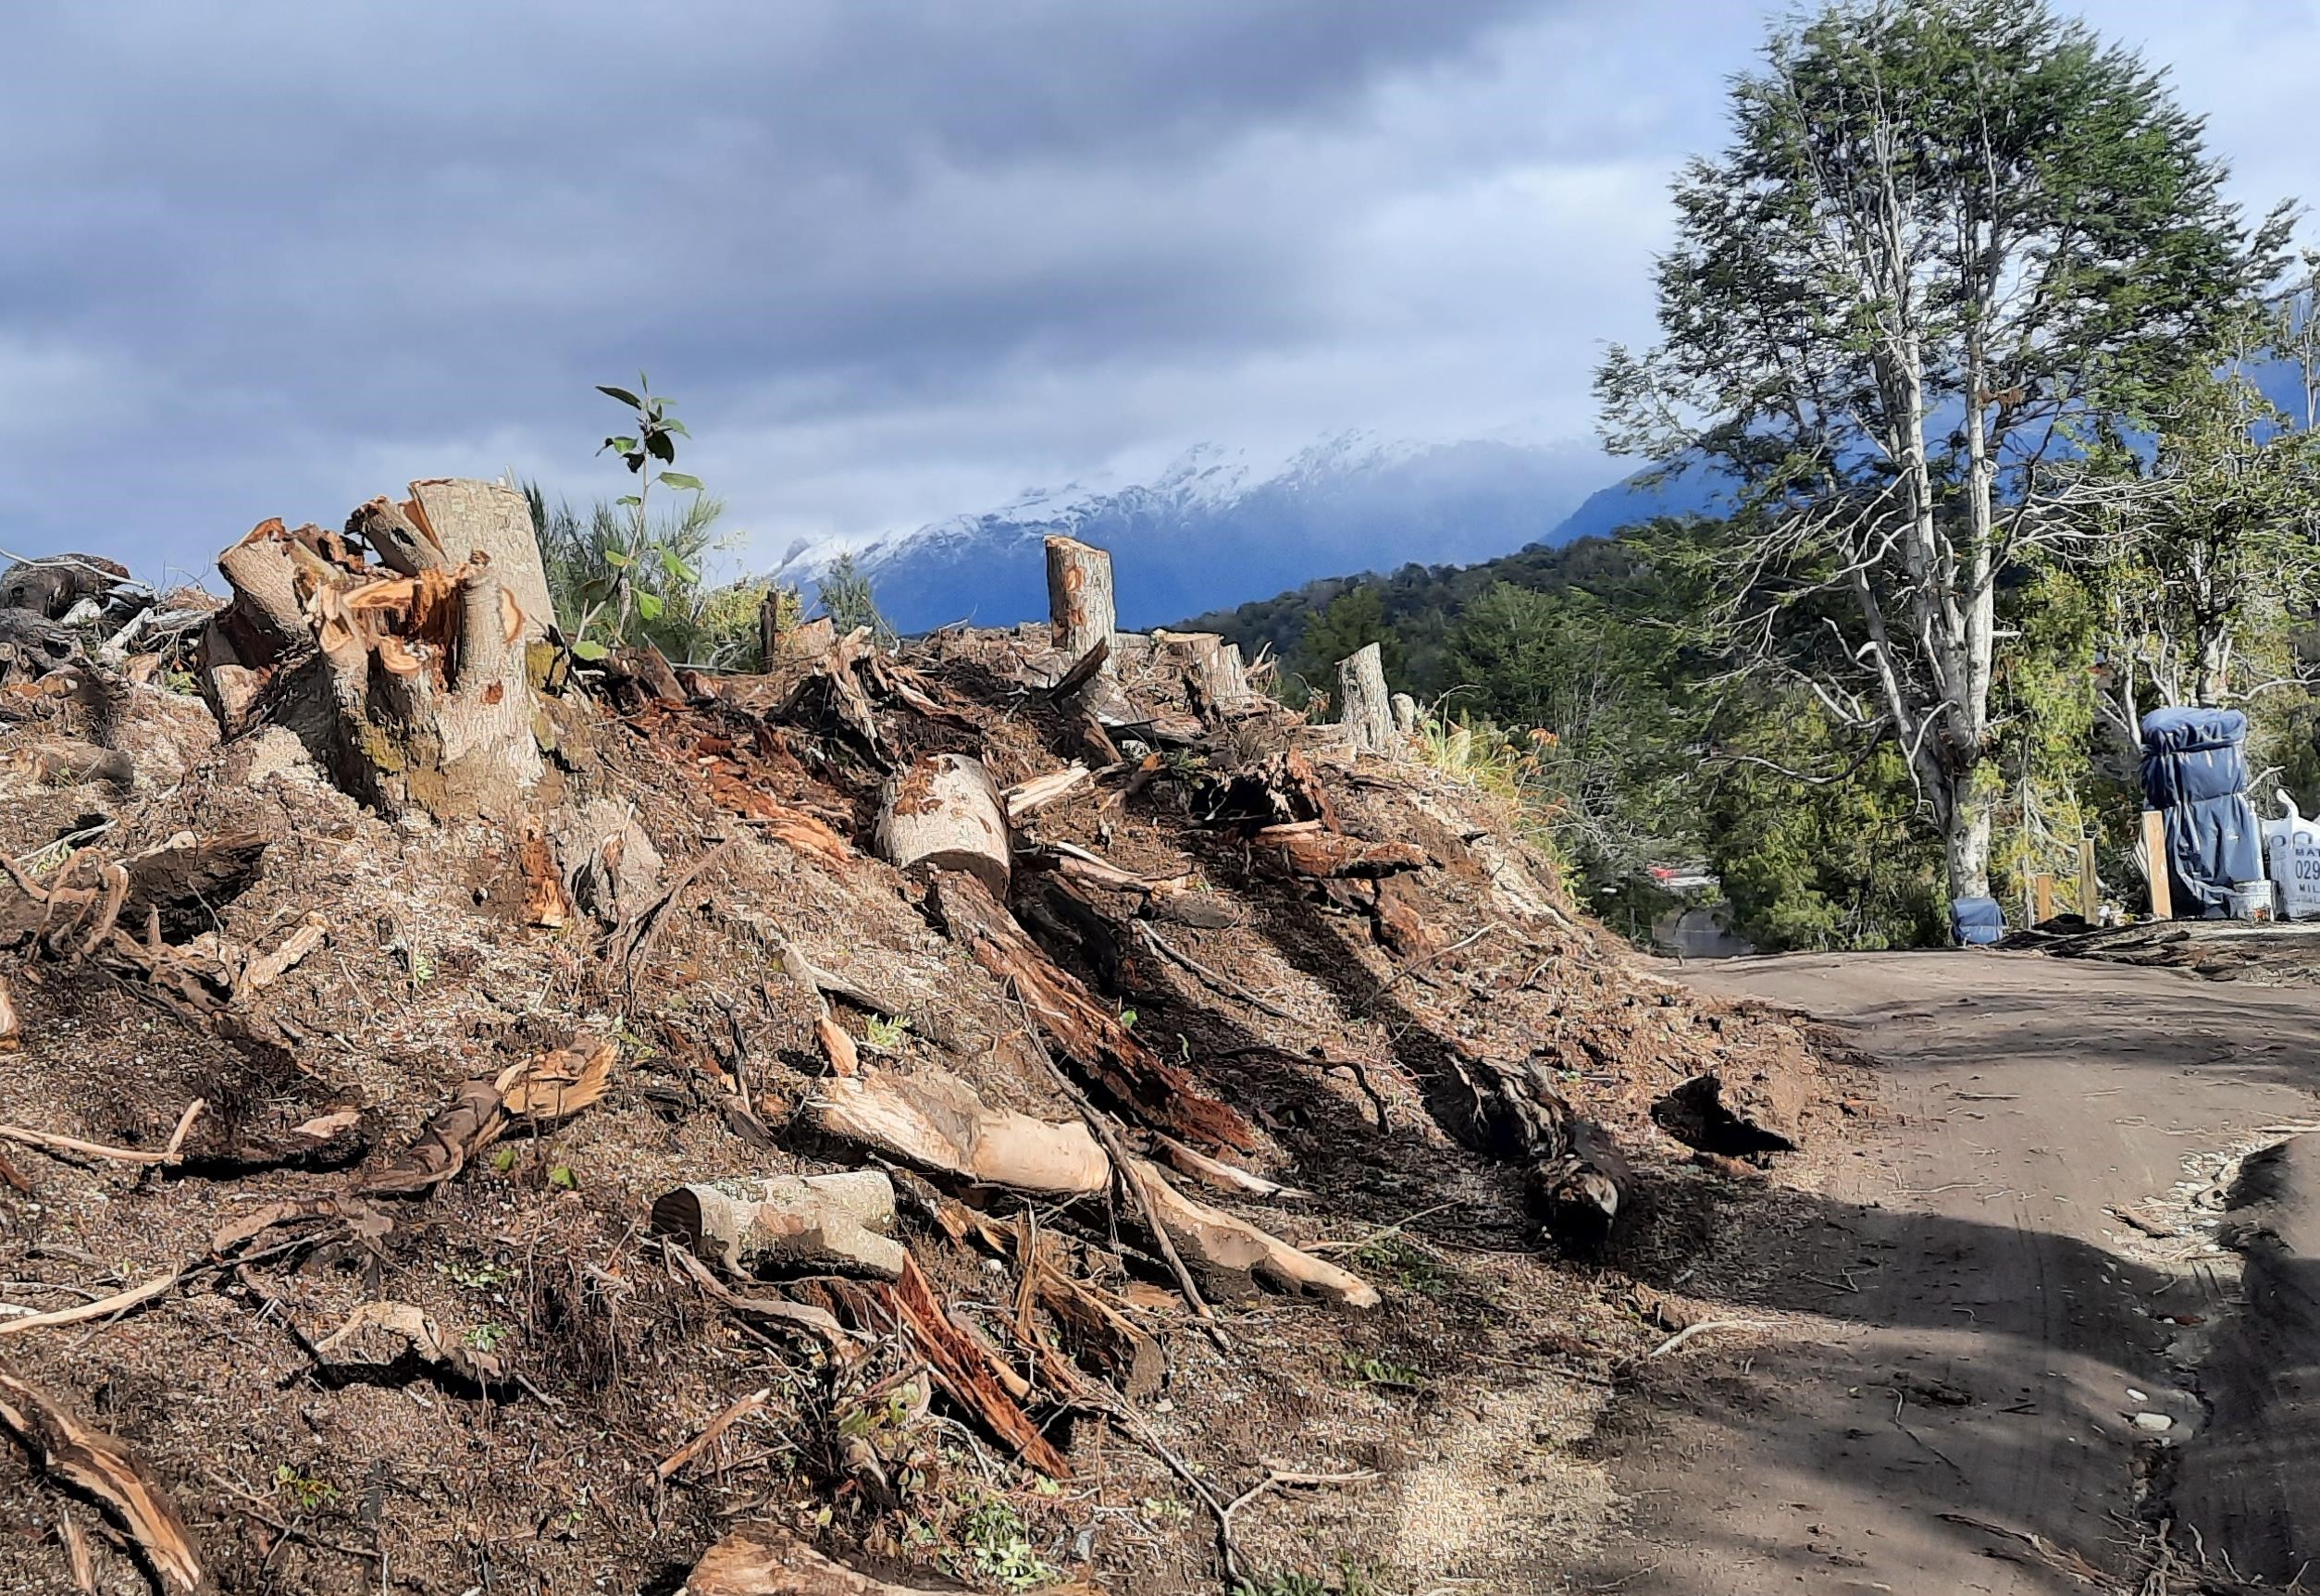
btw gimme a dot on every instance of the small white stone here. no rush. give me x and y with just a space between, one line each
2134 1395
2153 1421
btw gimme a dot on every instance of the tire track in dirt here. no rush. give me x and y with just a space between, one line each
1964 1329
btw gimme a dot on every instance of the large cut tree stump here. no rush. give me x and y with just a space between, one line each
1363 705
1080 605
408 682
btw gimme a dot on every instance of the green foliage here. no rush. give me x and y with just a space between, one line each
620 572
1968 209
995 1549
589 562
306 1492
846 595
1382 1374
1351 622
2211 540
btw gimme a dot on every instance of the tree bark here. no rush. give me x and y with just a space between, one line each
944 812
412 689
1363 705
1080 607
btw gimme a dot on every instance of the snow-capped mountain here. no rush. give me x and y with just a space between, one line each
1216 528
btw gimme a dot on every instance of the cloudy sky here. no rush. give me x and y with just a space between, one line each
894 260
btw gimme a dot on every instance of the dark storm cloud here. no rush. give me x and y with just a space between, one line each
893 258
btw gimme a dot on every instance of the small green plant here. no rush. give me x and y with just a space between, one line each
503 1160
1406 1264
619 596
1166 1511
1351 1581
884 1036
486 1336
995 1548
308 1493
475 1275
561 1176
1127 1019
1383 1373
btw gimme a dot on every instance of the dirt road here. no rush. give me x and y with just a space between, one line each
1966 1344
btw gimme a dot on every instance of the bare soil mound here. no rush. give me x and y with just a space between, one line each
410 1302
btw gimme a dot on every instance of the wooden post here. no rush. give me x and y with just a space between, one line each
2041 897
2154 848
1080 604
2089 888
1362 703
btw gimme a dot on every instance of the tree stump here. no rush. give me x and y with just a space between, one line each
408 683
1363 705
1080 605
945 812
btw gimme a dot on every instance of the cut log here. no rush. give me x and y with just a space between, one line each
937 1122
758 1560
609 865
1156 1092
1028 797
1405 716
1308 849
945 813
101 1467
1080 608
1220 1241
814 1224
1363 705
1578 1184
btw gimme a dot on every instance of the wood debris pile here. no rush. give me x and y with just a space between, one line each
798 1082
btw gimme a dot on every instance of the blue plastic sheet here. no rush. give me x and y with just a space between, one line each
2195 773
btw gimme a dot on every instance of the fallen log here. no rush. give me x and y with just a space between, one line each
816 1224
935 1121
100 1467
1310 849
758 1560
944 814
1028 796
1158 1092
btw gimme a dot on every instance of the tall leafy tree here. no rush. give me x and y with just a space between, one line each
2214 539
1946 234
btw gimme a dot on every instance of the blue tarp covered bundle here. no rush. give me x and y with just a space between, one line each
2195 773
1977 921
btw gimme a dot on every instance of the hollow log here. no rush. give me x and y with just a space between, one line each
944 812
1363 705
1144 1085
1080 607
814 1224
